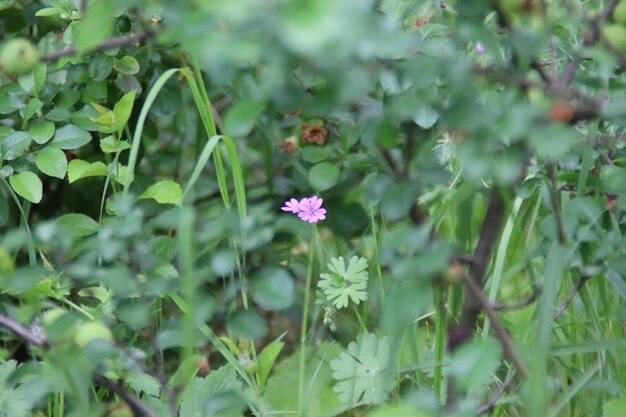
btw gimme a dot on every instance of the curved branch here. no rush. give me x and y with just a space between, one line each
135 404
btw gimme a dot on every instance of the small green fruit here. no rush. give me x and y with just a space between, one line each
619 14
50 316
92 331
19 56
615 34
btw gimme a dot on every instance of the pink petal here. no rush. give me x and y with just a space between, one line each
318 203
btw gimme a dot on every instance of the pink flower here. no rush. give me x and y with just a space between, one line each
292 205
480 48
311 209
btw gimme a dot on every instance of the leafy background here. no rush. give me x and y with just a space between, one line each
470 158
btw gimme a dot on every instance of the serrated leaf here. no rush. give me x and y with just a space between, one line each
164 192
345 284
41 130
196 395
27 185
122 174
78 169
474 364
363 373
614 408
144 383
78 224
52 162
70 137
111 145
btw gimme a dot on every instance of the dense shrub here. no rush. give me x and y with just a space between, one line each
312 208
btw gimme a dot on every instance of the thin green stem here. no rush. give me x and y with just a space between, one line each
359 318
379 273
440 328
305 315
32 256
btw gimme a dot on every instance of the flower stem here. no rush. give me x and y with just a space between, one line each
359 318
305 316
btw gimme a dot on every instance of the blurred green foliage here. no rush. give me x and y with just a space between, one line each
146 149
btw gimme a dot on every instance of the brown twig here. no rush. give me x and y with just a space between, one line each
579 285
135 404
525 303
22 332
82 7
493 400
107 44
139 408
499 330
590 38
473 302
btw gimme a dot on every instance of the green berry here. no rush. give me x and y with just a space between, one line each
50 316
18 56
92 331
619 14
615 34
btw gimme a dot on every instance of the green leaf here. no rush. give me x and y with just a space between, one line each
364 372
474 364
78 224
111 145
96 25
49 11
425 117
164 192
39 76
247 324
144 383
198 394
41 130
267 357
52 162
122 175
185 372
14 145
283 384
397 199
241 117
27 185
127 65
70 137
345 284
78 169
122 111
398 410
274 288
4 214
324 176
614 408
33 106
